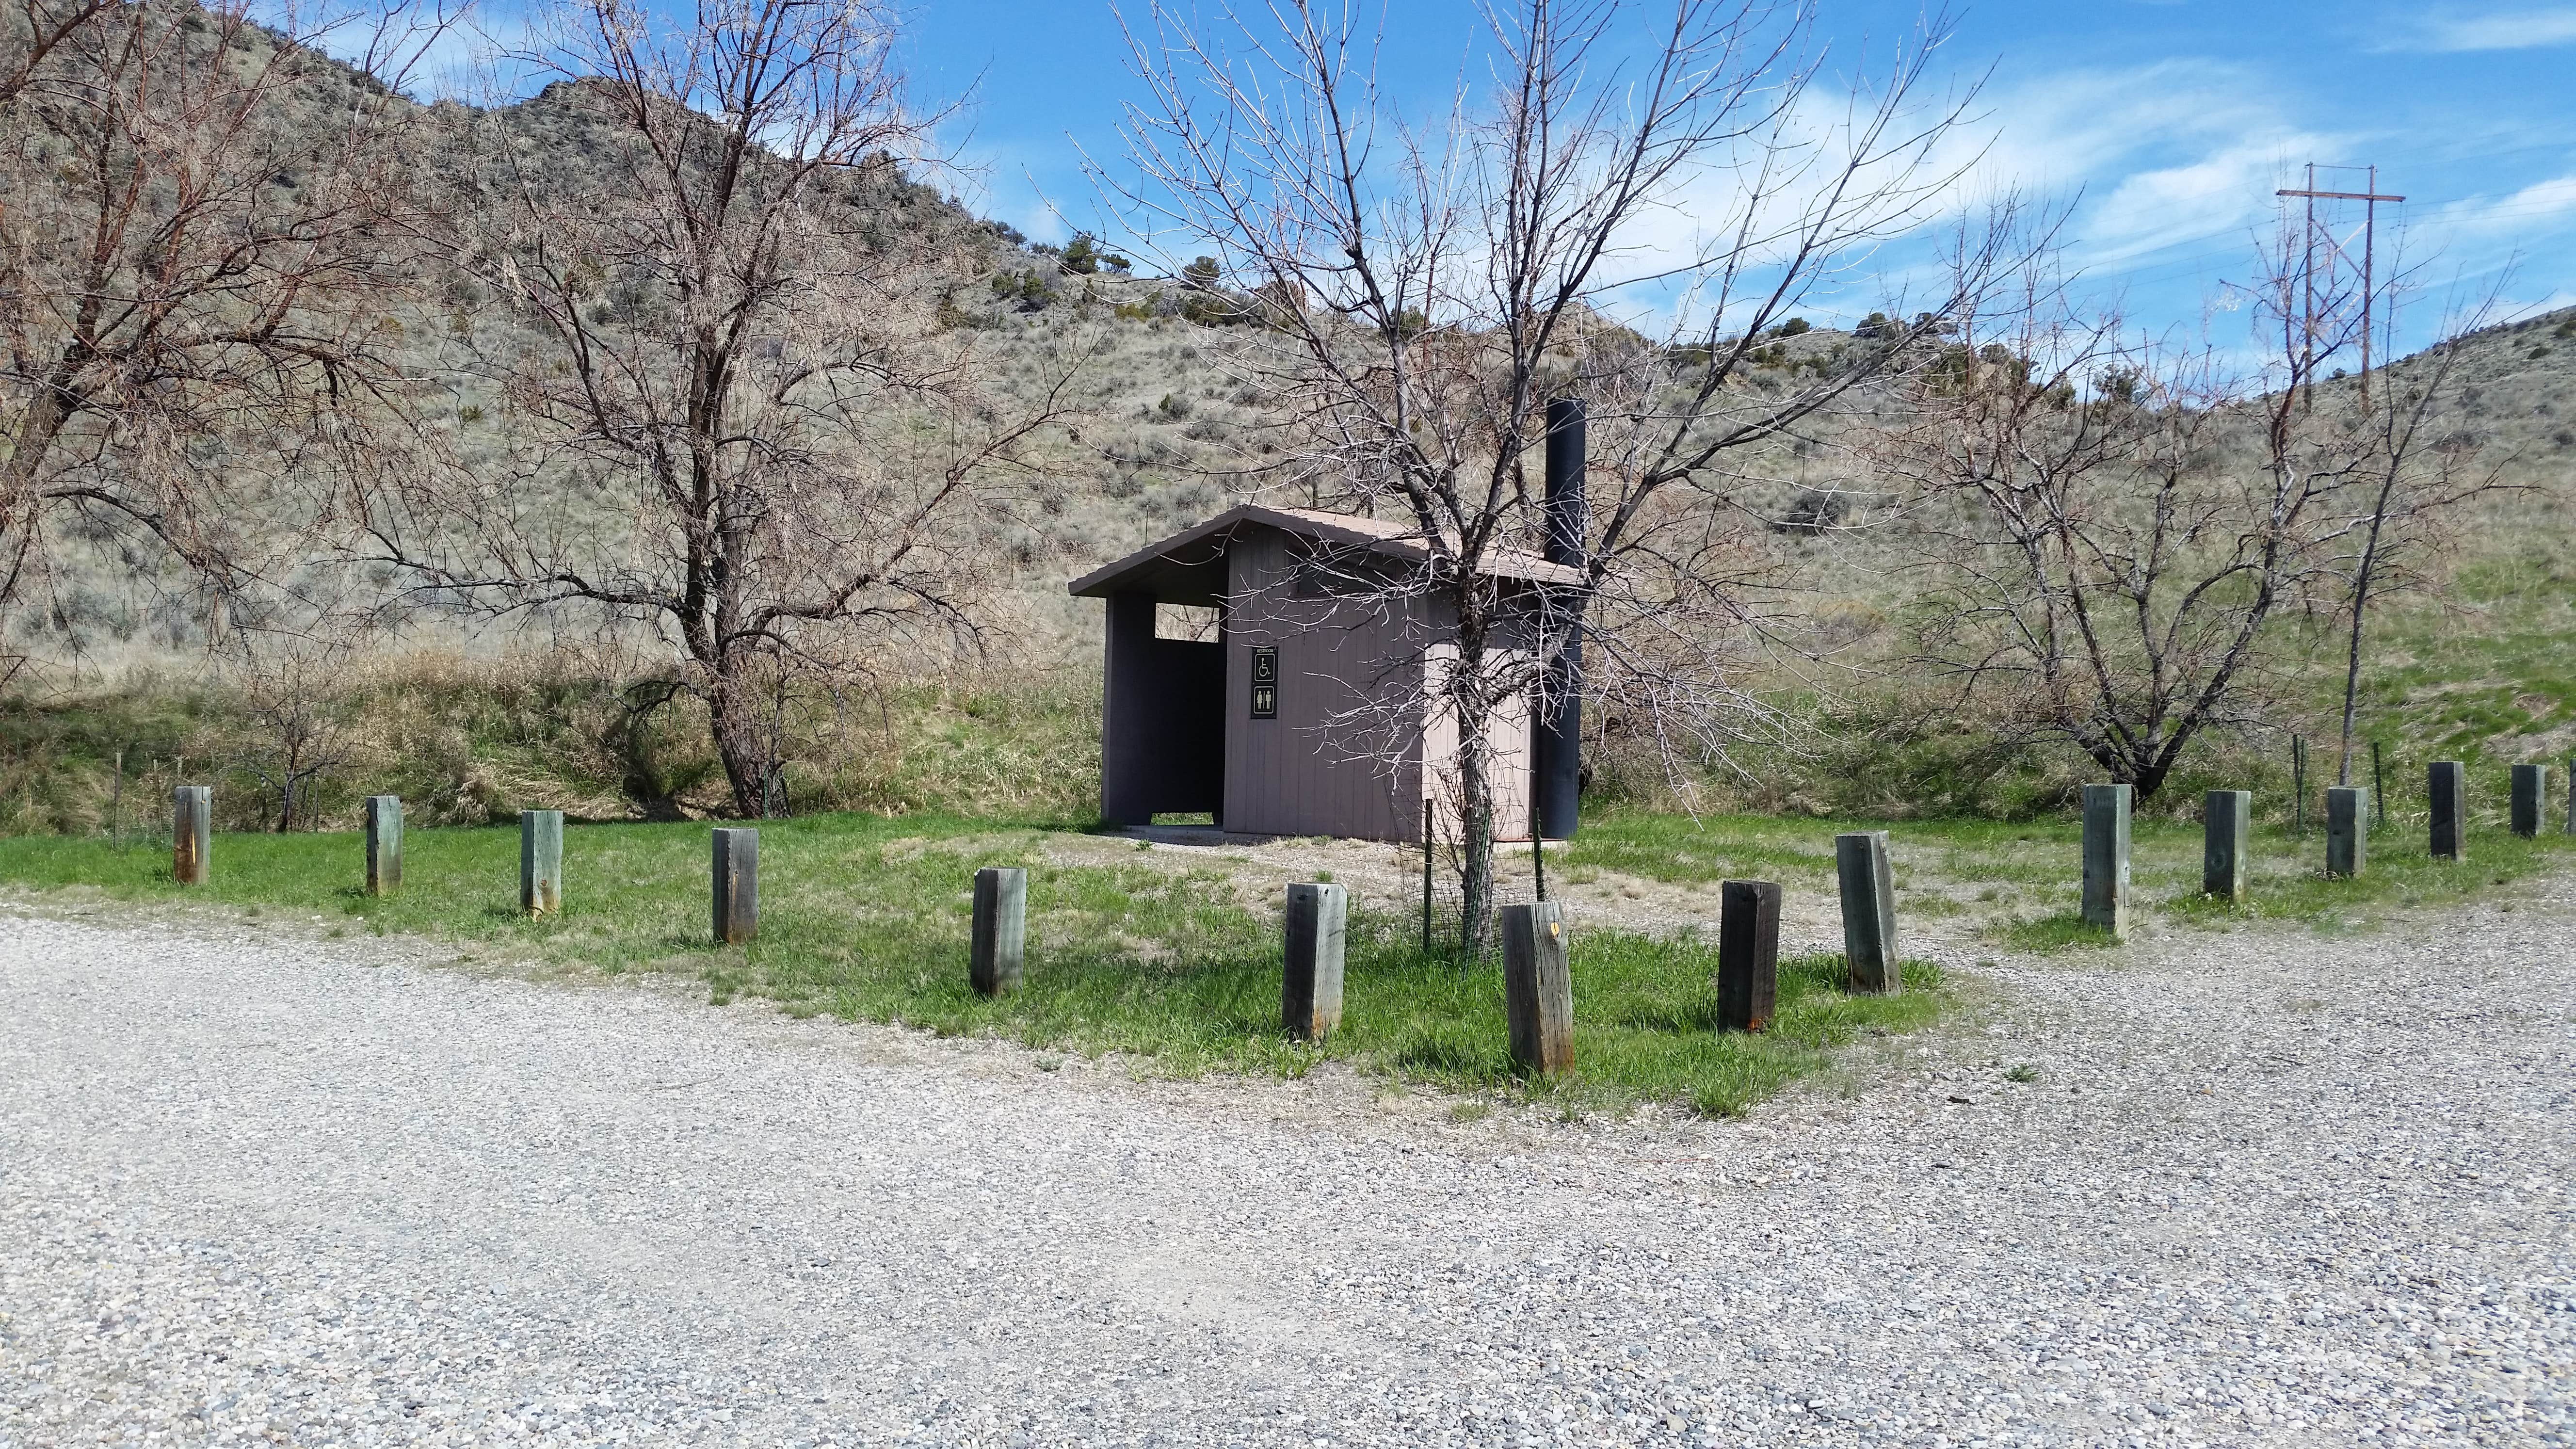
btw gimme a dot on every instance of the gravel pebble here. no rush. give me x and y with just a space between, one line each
2263 1188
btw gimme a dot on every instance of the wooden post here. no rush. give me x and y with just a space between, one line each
2106 859
737 886
2448 786
1538 991
1748 953
541 862
2378 786
1310 994
996 952
2530 787
2227 819
2571 796
2347 830
1869 911
384 845
192 825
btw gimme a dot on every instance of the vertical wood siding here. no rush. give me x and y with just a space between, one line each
1341 758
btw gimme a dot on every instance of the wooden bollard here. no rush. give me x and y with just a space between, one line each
2530 787
1538 990
2347 830
192 833
1748 953
384 845
1869 911
2447 787
1310 991
1001 930
2227 829
541 862
737 886
2106 859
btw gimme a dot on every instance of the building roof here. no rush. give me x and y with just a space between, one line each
1166 569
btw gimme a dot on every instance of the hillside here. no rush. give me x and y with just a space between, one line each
2470 663
2520 394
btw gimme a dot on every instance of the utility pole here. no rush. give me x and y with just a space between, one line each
2318 308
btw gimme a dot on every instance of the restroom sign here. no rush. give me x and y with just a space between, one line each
1265 681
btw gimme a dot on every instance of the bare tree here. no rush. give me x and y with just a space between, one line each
35 31
2415 469
1425 289
2096 567
295 685
195 274
2113 526
741 425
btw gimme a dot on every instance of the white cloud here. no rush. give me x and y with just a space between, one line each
2163 155
2166 154
2498 30
2524 212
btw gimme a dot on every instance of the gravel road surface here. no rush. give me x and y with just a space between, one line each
2263 1189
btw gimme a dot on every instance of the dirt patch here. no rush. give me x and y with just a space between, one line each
1388 878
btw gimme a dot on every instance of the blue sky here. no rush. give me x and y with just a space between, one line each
2172 123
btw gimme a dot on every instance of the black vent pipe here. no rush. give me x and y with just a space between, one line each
1559 790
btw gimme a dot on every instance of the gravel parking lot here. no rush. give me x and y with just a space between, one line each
2259 1189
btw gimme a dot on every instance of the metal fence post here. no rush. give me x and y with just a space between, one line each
2299 781
1426 877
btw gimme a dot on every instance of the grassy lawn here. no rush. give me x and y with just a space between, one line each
2025 879
865 918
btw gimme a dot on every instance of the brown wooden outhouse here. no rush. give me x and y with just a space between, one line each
1303 714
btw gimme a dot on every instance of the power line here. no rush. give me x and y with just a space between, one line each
2337 258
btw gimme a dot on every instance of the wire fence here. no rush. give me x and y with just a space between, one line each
2401 791
1442 904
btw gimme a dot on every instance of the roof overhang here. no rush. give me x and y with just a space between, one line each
1188 567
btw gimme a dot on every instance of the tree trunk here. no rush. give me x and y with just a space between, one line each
2144 776
38 425
1474 712
2361 581
2351 690
1476 846
735 725
2147 779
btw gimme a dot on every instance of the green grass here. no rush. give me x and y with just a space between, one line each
2479 674
865 918
2026 877
2057 931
